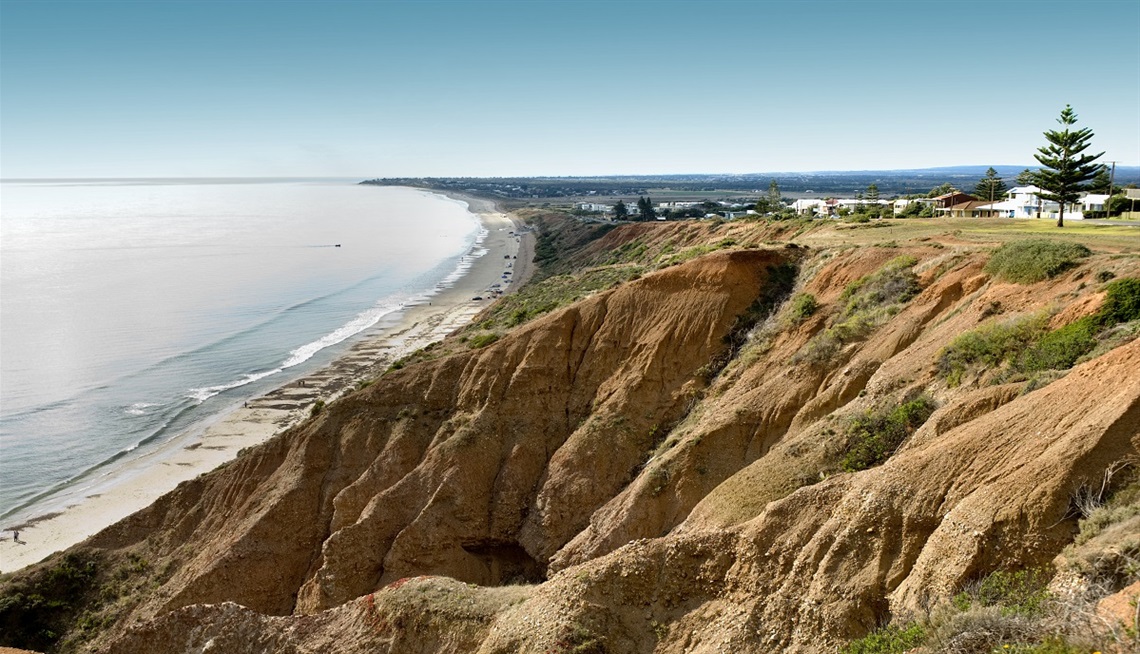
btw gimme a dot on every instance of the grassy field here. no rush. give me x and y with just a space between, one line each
975 231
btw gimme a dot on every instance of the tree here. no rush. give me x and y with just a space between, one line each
1102 183
1064 169
621 212
774 203
991 187
1027 178
940 190
645 208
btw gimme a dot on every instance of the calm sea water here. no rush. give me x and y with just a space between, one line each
130 311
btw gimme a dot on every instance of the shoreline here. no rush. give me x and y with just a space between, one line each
218 440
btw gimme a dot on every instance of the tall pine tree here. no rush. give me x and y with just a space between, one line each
1064 169
991 187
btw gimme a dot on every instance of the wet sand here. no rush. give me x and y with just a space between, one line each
209 445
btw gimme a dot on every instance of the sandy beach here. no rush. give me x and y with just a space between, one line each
209 445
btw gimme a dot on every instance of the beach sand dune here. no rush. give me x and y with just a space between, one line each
257 419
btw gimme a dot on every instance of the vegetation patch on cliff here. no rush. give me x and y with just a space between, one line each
1027 345
867 303
1006 611
1034 260
69 599
874 436
541 297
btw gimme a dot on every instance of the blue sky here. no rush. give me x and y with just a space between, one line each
443 88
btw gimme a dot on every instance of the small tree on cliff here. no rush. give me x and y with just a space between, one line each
1064 169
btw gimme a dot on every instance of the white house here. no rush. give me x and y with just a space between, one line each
1021 202
1026 202
901 204
593 206
806 207
1094 202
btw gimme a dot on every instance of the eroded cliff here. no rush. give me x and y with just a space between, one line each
664 466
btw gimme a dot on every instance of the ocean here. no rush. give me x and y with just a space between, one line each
131 311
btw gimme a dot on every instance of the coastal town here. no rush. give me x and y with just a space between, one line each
1018 202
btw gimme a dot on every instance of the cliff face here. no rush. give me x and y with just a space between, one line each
477 466
623 476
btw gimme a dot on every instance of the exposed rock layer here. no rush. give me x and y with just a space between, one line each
588 451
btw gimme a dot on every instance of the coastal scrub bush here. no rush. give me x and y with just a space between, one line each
1106 550
1020 592
1034 260
1060 348
1028 346
1118 507
318 406
482 340
867 303
990 345
36 610
996 613
870 300
540 297
779 283
874 436
888 640
803 306
1121 302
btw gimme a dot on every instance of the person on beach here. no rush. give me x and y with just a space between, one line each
16 536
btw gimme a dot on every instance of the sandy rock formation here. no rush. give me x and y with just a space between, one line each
587 450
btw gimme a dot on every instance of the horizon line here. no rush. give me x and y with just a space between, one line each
536 176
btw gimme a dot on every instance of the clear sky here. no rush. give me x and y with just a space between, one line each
154 88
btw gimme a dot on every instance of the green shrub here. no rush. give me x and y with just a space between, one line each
1121 302
867 303
1021 593
803 306
540 297
483 340
1029 346
1060 348
888 640
820 350
37 610
990 345
876 435
318 406
1034 260
895 282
